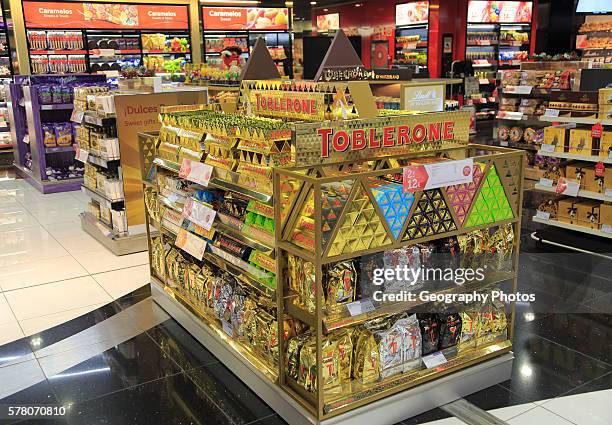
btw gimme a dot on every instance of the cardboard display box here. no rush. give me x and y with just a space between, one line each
581 142
587 213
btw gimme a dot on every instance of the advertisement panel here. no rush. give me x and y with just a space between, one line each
104 15
328 22
243 18
412 13
499 11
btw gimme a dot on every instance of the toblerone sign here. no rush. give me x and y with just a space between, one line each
337 141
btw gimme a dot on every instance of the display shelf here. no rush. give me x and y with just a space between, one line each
118 244
251 371
102 162
581 193
59 149
57 106
102 198
573 227
57 52
565 155
574 120
235 234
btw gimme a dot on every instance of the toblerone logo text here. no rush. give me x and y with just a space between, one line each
285 104
365 138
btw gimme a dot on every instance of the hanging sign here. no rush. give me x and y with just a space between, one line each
360 73
245 18
60 15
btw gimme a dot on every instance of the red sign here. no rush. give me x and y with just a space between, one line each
366 138
243 18
417 178
600 169
104 15
596 131
499 11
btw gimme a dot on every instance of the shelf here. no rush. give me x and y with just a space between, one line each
102 162
581 193
93 118
57 52
515 145
102 198
251 194
55 106
253 243
159 51
168 165
343 318
573 227
60 149
574 120
565 155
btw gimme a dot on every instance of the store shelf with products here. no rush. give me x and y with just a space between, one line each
328 222
239 30
581 181
43 132
106 218
412 34
594 39
104 37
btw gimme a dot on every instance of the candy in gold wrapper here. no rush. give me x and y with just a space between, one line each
292 359
340 281
345 351
366 363
501 244
331 366
307 376
470 328
493 324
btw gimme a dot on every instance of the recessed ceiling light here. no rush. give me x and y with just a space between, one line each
326 10
313 2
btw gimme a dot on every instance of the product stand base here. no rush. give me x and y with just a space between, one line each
117 245
387 411
48 186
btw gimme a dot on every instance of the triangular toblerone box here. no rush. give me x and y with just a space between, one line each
334 196
340 54
394 204
491 204
260 65
460 196
360 227
431 216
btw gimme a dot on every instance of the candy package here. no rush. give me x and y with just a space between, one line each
430 332
49 137
340 281
366 363
450 330
470 328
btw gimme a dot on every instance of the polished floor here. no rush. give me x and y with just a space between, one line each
78 329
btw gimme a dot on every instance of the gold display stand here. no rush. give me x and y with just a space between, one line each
394 398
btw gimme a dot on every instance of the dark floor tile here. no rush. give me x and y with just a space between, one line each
589 334
14 352
495 397
38 394
544 369
270 420
174 400
429 416
599 384
601 304
133 362
60 332
177 343
233 397
54 421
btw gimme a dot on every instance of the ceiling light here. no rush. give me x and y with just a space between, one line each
289 3
326 10
313 3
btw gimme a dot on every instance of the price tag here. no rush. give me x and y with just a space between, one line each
431 176
360 307
567 187
483 81
194 171
547 147
227 328
198 213
77 116
546 182
190 243
606 228
608 193
596 131
510 115
551 113
503 143
518 89
81 155
434 360
543 215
